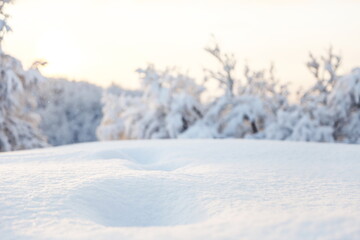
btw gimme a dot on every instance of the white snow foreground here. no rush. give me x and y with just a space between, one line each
182 189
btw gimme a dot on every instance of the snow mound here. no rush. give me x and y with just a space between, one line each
133 202
182 189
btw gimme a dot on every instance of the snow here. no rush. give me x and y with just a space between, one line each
182 189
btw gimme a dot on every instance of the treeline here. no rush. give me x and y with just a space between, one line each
36 111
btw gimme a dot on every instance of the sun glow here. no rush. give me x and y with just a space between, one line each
60 51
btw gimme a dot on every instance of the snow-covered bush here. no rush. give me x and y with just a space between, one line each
70 111
312 119
296 124
328 111
18 122
344 102
246 107
167 107
115 102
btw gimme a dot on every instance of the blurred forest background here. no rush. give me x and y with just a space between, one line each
38 111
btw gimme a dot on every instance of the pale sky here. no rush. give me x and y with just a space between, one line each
104 41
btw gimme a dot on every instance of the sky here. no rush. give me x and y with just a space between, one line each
104 41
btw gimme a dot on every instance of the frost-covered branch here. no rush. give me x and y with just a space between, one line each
4 27
228 63
325 74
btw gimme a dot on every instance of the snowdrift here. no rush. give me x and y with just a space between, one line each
182 189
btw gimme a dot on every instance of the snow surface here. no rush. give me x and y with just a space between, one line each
182 189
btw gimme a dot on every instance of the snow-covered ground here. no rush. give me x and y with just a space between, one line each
182 189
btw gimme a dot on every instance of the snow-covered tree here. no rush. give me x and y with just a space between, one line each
167 107
18 122
70 111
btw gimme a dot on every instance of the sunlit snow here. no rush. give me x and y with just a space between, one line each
182 189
